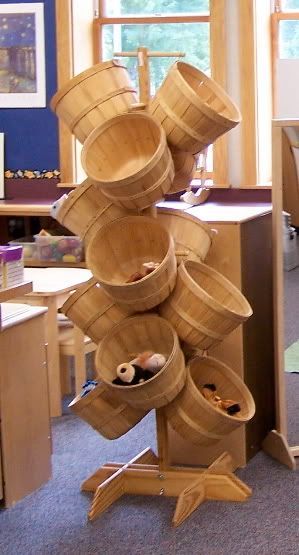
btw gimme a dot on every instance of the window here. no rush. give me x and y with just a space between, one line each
286 18
196 27
285 48
162 26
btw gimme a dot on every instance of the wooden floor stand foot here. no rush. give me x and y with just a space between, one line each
143 476
276 445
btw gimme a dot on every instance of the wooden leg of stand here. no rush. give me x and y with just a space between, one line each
108 492
190 498
90 484
224 463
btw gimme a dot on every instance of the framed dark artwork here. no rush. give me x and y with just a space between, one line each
22 56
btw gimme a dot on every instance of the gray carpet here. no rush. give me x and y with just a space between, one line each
53 519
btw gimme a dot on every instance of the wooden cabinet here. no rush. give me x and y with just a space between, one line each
241 251
24 406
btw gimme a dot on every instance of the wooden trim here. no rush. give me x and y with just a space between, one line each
14 291
248 91
281 417
102 8
97 50
64 73
275 56
287 15
152 19
218 47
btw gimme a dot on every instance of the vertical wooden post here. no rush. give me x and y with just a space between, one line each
143 74
162 439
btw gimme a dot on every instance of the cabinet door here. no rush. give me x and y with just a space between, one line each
25 424
1 475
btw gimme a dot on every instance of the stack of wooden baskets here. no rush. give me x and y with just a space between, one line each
132 160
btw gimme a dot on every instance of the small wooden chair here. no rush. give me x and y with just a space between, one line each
73 342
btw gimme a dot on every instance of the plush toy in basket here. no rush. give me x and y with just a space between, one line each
140 369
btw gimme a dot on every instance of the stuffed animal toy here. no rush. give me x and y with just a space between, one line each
140 369
148 268
209 392
131 374
148 360
57 205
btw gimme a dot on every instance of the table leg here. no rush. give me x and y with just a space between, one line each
53 356
80 362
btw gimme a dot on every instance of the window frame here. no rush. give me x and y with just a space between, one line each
277 16
216 17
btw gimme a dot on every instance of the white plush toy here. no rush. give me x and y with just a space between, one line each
57 205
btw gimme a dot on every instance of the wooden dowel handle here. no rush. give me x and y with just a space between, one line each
157 54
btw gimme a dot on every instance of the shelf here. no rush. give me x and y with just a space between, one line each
31 263
15 291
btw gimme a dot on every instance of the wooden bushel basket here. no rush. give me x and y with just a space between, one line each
106 413
95 95
204 306
87 209
129 158
90 308
184 169
119 249
135 335
192 108
194 418
192 237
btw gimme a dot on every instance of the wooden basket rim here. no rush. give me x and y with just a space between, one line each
127 322
75 296
224 368
182 213
100 388
142 194
107 225
195 426
220 278
95 133
215 87
74 81
73 196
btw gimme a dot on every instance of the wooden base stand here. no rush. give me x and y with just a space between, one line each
149 474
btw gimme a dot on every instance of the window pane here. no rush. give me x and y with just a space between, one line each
287 5
194 37
151 7
289 39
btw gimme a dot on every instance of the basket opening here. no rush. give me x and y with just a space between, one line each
133 337
124 246
205 371
122 149
208 91
231 298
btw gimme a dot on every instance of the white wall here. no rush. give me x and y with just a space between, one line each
287 87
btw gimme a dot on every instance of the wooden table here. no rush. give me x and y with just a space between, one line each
51 288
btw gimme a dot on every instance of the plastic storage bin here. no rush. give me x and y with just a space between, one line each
59 248
29 247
